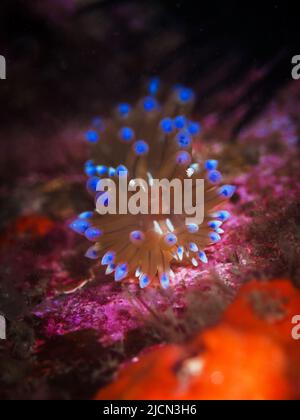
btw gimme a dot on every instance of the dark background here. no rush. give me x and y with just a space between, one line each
63 55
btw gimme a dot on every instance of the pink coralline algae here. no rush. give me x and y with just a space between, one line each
101 308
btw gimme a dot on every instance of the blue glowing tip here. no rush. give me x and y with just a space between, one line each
153 86
203 257
170 239
93 234
111 171
183 158
108 258
101 170
137 236
185 95
166 125
192 228
80 226
164 281
144 281
194 128
92 253
180 252
180 121
124 109
215 237
222 214
215 224
214 176
90 170
92 136
86 215
227 190
89 163
121 272
149 103
126 134
183 139
121 170
211 164
141 147
92 183
193 247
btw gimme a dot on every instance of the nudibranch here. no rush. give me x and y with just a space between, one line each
151 139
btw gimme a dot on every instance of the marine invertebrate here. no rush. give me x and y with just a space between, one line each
150 141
